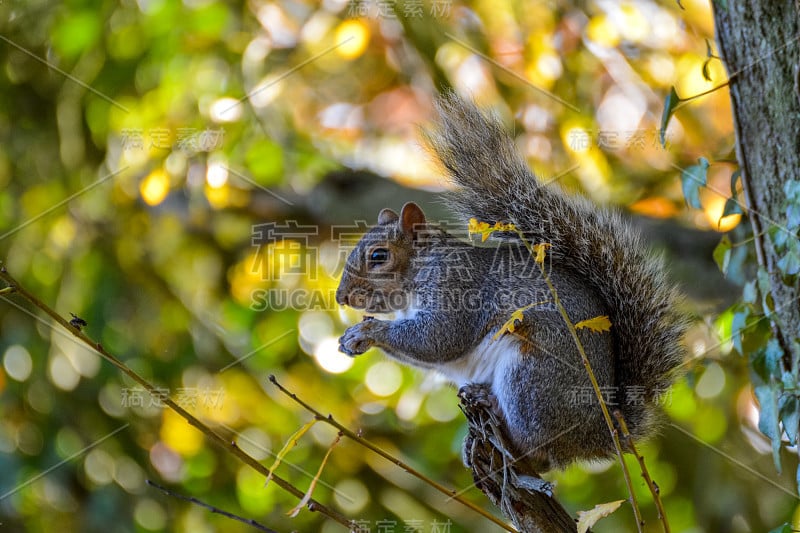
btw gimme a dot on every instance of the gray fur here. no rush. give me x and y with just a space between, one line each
598 268
495 184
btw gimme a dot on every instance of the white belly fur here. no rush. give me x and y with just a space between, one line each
485 363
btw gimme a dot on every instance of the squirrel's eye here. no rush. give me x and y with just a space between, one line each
378 256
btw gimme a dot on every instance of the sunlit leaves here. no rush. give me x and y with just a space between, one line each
78 32
155 187
264 160
352 38
178 312
179 435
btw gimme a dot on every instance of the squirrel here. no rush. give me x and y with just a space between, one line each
450 298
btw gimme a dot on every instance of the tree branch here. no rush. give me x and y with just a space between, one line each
218 439
408 468
508 481
216 510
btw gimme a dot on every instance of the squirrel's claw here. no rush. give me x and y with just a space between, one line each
355 340
345 350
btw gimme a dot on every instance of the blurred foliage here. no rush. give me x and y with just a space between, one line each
165 175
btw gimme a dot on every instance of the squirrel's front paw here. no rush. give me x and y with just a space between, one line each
359 338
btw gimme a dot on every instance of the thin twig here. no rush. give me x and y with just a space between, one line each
733 75
221 441
688 99
248 521
654 490
595 385
450 493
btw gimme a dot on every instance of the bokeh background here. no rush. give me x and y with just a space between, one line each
188 176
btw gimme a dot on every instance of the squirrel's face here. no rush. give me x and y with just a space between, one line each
377 274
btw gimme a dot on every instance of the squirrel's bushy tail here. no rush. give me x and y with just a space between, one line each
495 184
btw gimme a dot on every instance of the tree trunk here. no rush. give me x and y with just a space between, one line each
758 42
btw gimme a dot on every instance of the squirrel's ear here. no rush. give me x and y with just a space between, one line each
386 216
411 219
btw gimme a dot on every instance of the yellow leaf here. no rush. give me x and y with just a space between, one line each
477 227
597 324
508 326
503 227
307 496
516 316
540 251
485 230
291 443
587 519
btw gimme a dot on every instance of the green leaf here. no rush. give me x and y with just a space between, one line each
773 355
795 370
722 254
793 216
738 324
758 367
670 104
789 264
792 190
749 293
785 528
692 178
765 288
768 418
788 407
778 236
732 207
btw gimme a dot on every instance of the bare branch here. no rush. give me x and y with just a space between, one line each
248 521
218 439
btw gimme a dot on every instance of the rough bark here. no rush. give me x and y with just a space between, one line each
758 42
508 481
